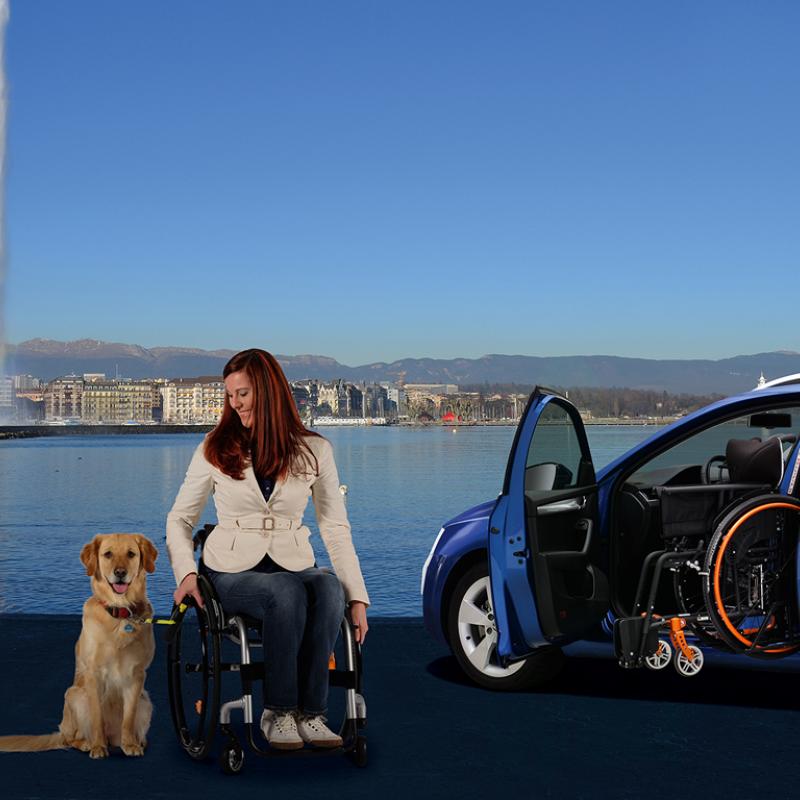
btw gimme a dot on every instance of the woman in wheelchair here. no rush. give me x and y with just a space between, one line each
261 464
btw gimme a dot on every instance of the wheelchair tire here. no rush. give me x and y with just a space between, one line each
689 668
473 639
231 759
194 673
754 561
359 754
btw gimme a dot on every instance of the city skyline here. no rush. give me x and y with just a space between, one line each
48 359
398 181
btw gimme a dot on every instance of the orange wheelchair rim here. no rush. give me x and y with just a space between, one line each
718 566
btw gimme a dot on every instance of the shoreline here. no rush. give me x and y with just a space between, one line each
36 431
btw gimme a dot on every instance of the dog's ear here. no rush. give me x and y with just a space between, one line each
89 556
149 553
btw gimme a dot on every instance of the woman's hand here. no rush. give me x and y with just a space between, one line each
188 587
358 616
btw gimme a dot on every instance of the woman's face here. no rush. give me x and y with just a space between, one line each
240 395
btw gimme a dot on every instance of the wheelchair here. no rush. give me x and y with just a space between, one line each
726 568
198 666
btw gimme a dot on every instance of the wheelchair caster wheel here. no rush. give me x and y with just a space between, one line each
661 657
231 759
689 668
359 753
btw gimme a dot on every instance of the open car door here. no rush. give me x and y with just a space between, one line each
547 564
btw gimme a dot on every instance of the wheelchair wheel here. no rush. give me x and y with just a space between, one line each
194 673
661 657
231 759
750 583
689 667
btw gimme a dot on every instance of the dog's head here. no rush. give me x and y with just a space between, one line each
118 563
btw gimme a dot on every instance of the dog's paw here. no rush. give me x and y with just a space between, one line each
80 744
98 751
132 749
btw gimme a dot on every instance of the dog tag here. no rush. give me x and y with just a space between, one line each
128 628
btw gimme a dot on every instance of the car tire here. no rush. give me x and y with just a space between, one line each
473 639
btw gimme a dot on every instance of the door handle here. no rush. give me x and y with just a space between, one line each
562 506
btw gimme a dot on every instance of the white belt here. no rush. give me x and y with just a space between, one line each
261 523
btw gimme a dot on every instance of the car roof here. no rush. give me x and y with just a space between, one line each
786 380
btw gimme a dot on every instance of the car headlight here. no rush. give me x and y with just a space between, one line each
428 560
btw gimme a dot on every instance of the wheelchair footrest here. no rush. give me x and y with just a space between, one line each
628 635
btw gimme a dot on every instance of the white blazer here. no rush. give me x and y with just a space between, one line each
249 527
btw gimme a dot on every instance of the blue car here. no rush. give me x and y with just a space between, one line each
686 543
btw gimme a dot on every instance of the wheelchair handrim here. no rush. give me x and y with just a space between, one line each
718 569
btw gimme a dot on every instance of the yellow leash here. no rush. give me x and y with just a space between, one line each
156 621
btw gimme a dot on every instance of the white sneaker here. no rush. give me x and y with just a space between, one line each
316 732
280 730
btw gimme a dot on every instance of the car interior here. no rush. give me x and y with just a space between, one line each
668 510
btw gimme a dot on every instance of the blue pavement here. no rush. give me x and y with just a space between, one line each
597 731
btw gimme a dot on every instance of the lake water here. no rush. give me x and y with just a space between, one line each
57 493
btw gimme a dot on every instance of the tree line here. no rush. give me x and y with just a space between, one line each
614 401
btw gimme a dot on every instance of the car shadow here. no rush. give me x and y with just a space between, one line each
603 678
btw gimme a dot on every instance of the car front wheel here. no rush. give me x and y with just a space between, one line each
472 632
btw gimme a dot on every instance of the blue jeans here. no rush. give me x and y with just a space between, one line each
301 614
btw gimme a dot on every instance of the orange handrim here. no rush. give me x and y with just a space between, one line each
718 565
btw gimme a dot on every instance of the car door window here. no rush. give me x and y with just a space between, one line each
683 463
555 461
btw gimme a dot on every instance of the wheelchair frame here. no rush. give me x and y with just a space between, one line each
751 570
197 735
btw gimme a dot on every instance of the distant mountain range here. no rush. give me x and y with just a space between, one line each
48 359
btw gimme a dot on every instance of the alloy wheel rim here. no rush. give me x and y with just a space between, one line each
477 632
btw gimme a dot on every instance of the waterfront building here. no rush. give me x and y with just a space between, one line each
330 394
301 398
311 389
26 383
396 395
376 403
63 398
7 398
428 389
353 401
118 402
192 401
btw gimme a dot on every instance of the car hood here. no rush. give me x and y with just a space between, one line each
481 511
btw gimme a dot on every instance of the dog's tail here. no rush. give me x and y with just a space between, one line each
32 744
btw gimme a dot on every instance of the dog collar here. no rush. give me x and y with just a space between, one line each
120 612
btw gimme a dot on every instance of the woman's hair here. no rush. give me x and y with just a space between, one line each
276 438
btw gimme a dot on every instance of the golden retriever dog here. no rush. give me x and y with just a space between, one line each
107 704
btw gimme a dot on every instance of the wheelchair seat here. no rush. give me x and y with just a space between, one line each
195 670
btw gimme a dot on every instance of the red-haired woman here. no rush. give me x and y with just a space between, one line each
262 465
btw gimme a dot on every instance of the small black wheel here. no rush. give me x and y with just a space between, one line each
472 633
194 673
360 752
231 759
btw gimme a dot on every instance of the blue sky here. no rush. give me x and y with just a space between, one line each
377 180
